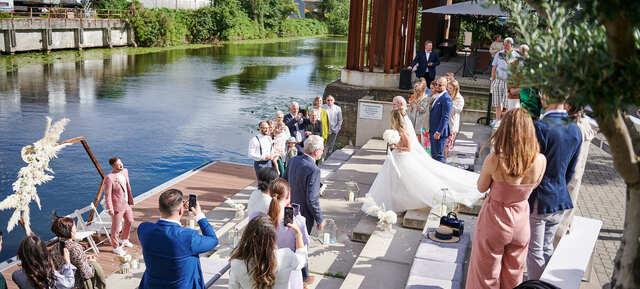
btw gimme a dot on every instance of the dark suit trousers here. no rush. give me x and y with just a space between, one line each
426 76
437 148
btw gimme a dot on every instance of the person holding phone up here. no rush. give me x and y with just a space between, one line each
171 252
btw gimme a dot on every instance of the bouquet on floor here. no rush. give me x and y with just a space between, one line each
236 206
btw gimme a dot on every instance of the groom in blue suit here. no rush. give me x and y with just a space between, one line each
439 119
171 252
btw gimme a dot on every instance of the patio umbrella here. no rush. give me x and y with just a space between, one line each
476 8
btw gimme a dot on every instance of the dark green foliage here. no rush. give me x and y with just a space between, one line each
336 14
159 27
302 27
112 4
483 29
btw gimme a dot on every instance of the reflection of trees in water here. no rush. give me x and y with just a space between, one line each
252 79
330 58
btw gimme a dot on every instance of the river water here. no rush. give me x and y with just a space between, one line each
163 113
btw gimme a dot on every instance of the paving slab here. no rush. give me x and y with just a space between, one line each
437 270
416 282
372 273
399 245
326 282
362 232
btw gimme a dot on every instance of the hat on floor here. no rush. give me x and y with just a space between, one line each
292 140
443 234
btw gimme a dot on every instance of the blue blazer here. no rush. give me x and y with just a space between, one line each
304 178
560 141
171 254
439 115
421 59
294 125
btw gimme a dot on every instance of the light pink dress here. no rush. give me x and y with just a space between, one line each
501 238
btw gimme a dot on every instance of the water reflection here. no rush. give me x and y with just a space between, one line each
163 113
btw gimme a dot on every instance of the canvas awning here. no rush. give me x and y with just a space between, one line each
476 8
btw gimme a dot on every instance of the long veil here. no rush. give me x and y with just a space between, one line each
460 184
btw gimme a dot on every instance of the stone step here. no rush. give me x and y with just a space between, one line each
364 229
416 219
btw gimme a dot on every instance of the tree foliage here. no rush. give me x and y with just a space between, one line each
336 14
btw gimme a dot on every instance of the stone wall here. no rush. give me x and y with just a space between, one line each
34 34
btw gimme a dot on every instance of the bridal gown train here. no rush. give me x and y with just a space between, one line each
413 180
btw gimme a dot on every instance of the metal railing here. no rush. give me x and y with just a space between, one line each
66 13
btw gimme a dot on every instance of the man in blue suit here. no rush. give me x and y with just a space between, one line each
426 61
171 252
560 140
439 119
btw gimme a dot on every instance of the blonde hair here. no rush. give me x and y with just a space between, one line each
456 89
397 120
515 143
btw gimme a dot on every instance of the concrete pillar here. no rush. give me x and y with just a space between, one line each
78 37
131 39
9 41
46 40
106 36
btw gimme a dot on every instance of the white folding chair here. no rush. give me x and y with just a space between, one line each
86 230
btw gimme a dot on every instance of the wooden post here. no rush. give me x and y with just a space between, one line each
373 25
388 48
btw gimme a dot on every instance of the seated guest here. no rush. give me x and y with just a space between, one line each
314 125
260 199
3 282
171 252
258 250
89 273
323 116
286 237
37 267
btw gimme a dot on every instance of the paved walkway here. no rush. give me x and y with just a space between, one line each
602 197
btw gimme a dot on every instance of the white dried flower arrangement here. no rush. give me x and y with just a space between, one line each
233 204
391 136
35 173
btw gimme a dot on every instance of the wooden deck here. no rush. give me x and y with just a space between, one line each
212 183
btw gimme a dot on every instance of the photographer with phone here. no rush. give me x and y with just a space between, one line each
282 214
171 252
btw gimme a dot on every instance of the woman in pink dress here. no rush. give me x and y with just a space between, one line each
510 172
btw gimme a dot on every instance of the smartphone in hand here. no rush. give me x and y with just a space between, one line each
192 201
288 215
296 209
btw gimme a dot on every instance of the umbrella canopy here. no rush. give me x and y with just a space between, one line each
477 8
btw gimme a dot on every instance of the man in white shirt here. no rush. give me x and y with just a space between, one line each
260 148
335 124
500 77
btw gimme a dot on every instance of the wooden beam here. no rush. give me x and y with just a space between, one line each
363 34
389 37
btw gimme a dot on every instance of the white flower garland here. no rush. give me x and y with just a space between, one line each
35 173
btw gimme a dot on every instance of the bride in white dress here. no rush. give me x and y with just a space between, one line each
411 179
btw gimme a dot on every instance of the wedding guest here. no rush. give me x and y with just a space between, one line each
260 199
335 124
37 271
280 136
560 141
260 148
295 121
496 45
588 130
419 108
171 252
119 203
323 116
314 126
292 151
425 63
3 282
511 171
500 77
439 119
89 273
258 249
457 104
286 238
304 177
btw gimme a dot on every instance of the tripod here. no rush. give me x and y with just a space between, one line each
465 67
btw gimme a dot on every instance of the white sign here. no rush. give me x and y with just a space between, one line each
370 111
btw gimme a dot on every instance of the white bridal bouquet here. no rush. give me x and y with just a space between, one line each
236 206
386 219
391 136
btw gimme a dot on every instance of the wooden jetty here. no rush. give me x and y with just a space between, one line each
212 182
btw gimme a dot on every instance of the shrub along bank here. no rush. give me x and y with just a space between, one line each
225 20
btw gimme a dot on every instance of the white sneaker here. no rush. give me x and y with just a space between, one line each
119 251
126 243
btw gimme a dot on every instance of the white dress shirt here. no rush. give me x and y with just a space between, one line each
335 118
287 261
258 203
260 147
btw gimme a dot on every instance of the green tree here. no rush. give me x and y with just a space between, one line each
588 51
336 14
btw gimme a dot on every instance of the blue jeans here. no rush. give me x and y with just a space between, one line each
437 147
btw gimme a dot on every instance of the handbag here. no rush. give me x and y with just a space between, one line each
451 220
